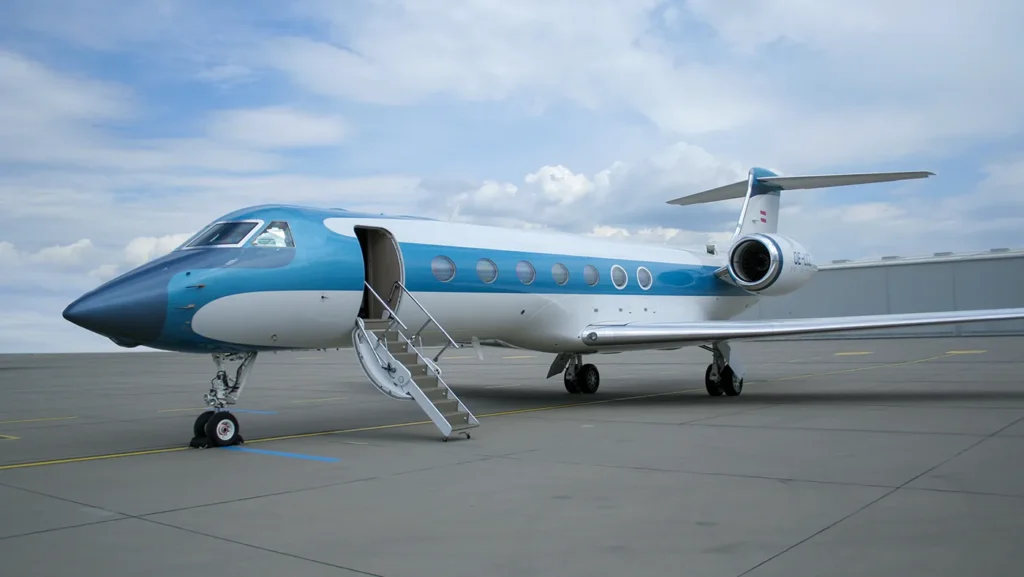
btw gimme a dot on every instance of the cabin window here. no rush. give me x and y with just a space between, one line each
224 234
443 268
590 275
644 278
560 273
619 277
486 270
525 271
277 235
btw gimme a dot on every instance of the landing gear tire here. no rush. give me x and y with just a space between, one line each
571 384
712 386
725 383
222 430
588 379
199 427
731 386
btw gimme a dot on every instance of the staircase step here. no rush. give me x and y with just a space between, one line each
376 324
447 405
397 345
418 370
456 418
407 359
425 381
436 393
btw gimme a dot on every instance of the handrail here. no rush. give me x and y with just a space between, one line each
426 312
381 301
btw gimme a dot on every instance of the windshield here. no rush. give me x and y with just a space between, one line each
225 233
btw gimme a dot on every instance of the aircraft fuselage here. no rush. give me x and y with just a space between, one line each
233 287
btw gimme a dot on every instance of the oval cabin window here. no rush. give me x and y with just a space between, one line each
525 272
486 270
560 274
644 278
590 275
443 268
619 277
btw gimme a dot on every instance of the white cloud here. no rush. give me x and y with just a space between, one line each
406 51
70 255
143 249
277 127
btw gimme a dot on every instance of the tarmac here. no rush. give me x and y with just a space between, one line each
889 457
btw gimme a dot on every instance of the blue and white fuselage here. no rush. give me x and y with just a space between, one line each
280 277
530 289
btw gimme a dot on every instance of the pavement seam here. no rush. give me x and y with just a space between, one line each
874 501
259 548
715 474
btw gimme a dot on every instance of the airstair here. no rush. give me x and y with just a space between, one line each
400 369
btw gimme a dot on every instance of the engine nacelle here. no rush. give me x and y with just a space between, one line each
769 264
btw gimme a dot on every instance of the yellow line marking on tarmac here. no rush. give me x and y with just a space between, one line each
36 420
306 358
867 368
325 433
853 353
8 438
502 386
521 357
972 352
319 400
416 423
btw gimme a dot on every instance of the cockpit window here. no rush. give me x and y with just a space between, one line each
224 233
277 234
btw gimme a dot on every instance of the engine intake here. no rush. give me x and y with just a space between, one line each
769 264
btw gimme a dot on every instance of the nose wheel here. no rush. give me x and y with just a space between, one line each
218 427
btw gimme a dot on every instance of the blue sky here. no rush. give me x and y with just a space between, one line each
125 125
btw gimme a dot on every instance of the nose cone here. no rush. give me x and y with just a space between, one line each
130 310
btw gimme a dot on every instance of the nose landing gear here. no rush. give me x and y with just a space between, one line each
218 427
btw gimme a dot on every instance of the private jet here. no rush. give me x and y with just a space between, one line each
402 290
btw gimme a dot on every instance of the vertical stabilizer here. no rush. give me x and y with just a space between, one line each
760 212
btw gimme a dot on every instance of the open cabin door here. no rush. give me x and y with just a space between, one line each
383 266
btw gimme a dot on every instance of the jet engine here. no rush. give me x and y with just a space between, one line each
769 264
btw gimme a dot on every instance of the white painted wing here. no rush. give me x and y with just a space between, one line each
640 333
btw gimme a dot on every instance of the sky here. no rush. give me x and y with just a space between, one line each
127 125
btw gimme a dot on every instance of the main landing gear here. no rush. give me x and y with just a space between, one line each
580 378
721 375
218 427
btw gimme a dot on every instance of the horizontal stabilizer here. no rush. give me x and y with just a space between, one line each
739 189
830 180
641 333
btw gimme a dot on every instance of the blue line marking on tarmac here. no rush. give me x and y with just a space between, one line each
254 411
283 454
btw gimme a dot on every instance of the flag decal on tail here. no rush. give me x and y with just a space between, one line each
764 216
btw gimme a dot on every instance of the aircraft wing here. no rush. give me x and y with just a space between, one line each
642 333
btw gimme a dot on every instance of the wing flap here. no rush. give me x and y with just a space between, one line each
711 331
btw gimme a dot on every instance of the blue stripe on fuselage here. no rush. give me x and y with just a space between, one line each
670 279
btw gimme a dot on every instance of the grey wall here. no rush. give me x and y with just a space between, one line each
923 285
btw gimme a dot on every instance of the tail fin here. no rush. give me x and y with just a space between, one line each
763 188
